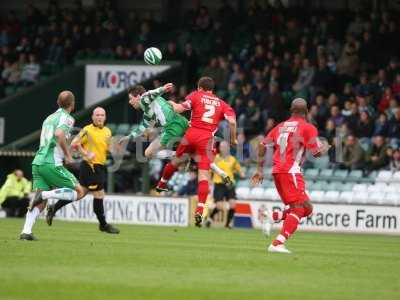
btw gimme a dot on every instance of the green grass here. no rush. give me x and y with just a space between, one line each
75 261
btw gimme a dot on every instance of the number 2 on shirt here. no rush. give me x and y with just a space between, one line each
208 114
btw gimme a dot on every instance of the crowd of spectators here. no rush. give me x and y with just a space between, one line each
344 63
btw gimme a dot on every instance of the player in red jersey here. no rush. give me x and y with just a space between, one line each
207 112
290 140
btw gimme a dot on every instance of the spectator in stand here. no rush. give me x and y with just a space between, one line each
190 188
381 125
305 77
14 194
179 180
365 126
30 71
55 52
336 116
384 102
394 129
394 163
190 65
353 154
171 53
347 65
10 74
377 157
324 78
396 85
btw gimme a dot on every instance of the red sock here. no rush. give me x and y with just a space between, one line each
279 215
290 224
168 171
202 193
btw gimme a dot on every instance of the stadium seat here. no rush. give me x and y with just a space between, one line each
242 183
331 196
344 187
326 174
271 194
376 197
257 193
311 174
396 177
340 175
360 187
122 129
393 188
317 196
360 196
384 176
346 197
243 192
391 199
268 173
112 127
380 187
355 175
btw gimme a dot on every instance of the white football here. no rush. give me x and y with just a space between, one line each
152 56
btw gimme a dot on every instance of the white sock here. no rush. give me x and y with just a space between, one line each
30 220
217 170
61 194
165 154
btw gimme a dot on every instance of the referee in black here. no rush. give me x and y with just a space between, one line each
93 142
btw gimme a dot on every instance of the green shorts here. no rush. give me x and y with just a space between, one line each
48 176
174 131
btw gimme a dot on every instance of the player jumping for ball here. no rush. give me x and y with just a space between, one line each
290 140
158 111
207 112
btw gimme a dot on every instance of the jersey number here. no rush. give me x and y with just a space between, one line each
208 114
282 141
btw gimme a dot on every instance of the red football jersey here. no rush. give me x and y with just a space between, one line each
207 110
290 139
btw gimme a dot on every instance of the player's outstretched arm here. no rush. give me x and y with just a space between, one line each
233 129
62 141
177 107
258 176
150 95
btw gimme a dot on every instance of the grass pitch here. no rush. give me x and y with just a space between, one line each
76 261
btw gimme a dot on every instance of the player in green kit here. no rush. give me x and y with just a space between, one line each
48 171
157 111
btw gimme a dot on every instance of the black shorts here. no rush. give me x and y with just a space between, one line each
223 192
93 179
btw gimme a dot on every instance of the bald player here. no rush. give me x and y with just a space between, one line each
290 141
47 167
93 143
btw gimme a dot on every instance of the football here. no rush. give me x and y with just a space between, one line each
152 56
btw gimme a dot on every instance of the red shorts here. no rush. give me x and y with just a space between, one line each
290 187
199 142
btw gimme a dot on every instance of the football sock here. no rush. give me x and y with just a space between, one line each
30 220
61 194
279 215
60 203
217 170
168 171
202 193
290 224
214 212
98 208
165 154
231 213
